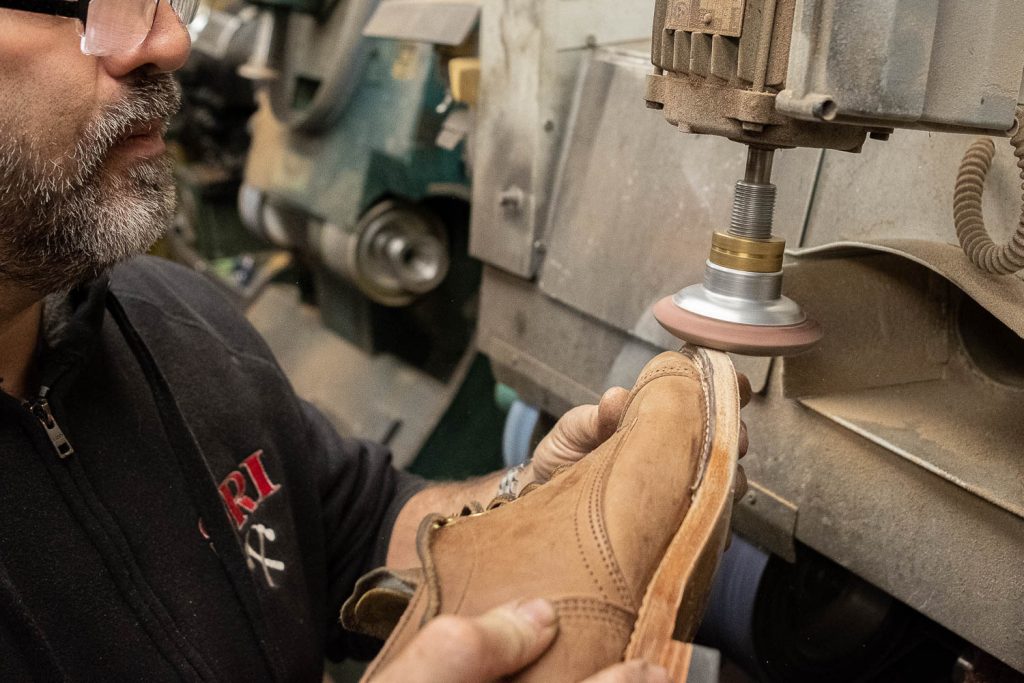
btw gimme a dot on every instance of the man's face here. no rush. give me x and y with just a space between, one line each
85 180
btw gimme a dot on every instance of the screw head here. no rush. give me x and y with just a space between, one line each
512 199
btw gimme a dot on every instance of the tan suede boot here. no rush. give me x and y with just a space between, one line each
624 543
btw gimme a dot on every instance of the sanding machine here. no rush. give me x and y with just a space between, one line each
777 74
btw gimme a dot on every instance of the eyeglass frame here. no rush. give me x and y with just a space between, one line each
69 9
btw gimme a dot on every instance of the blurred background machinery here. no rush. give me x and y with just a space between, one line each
212 141
886 507
342 142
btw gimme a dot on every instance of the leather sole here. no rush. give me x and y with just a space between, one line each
677 593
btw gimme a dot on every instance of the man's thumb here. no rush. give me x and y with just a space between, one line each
474 650
516 634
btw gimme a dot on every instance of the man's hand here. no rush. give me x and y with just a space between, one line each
500 643
586 427
580 431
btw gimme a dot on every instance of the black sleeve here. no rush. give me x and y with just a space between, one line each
361 495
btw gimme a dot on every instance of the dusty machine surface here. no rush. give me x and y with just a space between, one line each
888 452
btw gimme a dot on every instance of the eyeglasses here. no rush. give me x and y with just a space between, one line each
109 27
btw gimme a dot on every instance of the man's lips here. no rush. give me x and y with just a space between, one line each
144 140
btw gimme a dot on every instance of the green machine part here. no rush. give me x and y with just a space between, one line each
382 145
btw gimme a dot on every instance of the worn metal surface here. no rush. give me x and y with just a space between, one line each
708 82
904 188
931 543
529 52
448 22
886 322
685 42
373 397
766 516
713 17
515 318
951 427
573 25
1000 295
894 369
936 64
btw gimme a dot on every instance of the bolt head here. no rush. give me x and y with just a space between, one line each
512 199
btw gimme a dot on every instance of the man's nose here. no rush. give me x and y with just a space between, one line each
165 49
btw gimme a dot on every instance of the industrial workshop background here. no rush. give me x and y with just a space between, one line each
453 220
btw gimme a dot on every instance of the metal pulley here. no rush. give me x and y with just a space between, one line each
396 253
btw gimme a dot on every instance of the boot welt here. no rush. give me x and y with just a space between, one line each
677 593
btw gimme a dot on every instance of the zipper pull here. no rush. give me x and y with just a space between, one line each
40 408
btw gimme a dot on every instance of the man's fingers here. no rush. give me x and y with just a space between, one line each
636 671
745 390
453 649
609 412
580 431
741 484
744 439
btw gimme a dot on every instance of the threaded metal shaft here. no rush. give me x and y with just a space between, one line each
753 210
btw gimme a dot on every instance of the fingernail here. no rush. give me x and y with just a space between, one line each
539 611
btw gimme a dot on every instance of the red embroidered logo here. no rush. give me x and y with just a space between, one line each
233 489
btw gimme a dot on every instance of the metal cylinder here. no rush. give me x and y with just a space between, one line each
750 255
419 262
742 285
759 165
396 253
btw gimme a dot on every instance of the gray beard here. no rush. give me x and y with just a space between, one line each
64 221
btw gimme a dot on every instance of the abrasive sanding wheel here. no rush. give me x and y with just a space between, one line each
747 340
